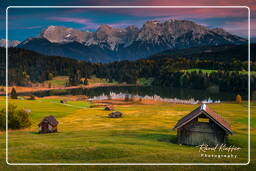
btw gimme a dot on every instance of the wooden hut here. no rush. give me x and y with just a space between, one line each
108 108
48 125
115 114
202 126
63 101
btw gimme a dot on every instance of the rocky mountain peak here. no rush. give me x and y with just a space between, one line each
219 31
60 34
11 43
104 27
132 42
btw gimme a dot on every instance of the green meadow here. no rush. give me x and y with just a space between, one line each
208 71
57 81
143 135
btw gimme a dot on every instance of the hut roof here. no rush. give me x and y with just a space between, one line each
209 113
50 119
109 107
116 112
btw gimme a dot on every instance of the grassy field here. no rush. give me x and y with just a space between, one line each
210 71
95 80
60 81
57 81
144 135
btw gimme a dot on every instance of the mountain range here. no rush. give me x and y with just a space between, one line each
108 44
11 43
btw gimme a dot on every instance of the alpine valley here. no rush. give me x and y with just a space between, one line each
109 44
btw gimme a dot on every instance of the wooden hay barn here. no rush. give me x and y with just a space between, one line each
108 108
202 126
48 125
115 114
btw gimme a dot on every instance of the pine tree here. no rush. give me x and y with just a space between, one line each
85 81
74 78
14 94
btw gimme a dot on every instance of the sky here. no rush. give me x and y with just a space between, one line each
29 22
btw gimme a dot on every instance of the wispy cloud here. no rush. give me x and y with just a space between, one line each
72 20
86 23
89 24
28 27
239 27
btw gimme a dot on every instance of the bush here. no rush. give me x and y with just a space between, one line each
238 99
109 97
86 81
2 119
50 76
2 89
253 96
14 94
32 97
126 98
17 119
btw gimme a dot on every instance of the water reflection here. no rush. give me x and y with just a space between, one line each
163 92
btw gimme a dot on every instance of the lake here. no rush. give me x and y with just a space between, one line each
163 92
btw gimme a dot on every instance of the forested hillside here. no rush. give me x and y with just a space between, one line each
228 75
217 53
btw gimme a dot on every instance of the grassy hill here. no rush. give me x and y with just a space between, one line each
144 134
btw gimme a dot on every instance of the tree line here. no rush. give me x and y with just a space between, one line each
26 67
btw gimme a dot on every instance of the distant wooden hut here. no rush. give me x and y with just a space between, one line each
108 108
115 114
63 101
48 125
202 126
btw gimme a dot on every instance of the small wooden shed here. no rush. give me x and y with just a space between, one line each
115 114
108 108
202 126
48 125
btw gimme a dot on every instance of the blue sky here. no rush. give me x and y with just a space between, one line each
27 22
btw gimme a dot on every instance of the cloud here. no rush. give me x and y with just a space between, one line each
29 27
87 24
202 13
240 27
197 13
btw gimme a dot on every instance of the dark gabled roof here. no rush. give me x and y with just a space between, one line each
49 119
209 113
109 107
116 113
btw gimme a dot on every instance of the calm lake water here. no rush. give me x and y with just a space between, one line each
163 92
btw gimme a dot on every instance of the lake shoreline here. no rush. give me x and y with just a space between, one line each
20 89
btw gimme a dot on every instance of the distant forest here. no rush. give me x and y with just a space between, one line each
166 69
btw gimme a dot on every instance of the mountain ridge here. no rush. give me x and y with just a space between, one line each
11 43
108 44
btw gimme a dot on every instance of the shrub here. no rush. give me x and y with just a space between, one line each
126 98
2 119
86 81
50 76
253 96
109 97
14 94
17 119
2 89
32 97
238 99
